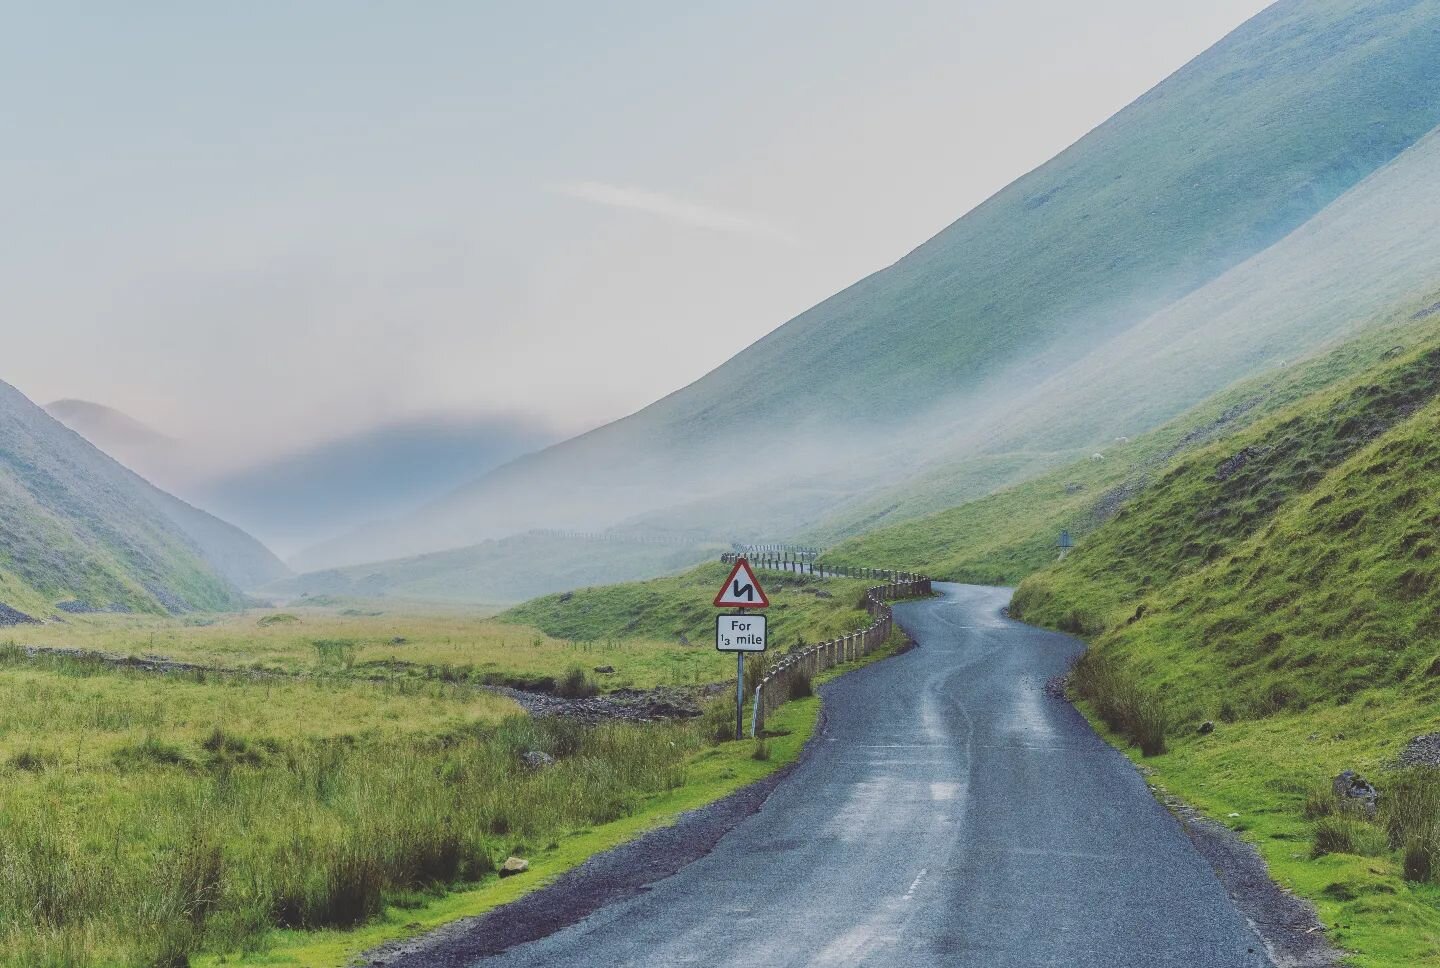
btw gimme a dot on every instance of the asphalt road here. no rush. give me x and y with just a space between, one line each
950 813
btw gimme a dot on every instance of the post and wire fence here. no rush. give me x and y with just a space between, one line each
776 686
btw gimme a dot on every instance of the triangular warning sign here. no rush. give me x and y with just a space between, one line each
742 589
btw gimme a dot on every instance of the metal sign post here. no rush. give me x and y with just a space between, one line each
740 692
738 631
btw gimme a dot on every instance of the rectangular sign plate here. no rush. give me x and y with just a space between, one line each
740 633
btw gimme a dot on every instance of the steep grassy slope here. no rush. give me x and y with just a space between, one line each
1283 583
77 527
1344 271
1003 537
503 571
1224 158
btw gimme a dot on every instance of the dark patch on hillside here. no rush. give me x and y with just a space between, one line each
1426 313
11 617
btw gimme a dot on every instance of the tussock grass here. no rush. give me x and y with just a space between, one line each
1127 706
200 838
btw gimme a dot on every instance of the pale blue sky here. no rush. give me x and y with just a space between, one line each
271 221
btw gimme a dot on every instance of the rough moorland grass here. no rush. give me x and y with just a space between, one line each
711 773
635 629
147 817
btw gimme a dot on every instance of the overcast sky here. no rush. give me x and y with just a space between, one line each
266 222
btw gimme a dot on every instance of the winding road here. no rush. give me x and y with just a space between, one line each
950 812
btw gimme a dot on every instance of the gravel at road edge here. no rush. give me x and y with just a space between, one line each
1288 925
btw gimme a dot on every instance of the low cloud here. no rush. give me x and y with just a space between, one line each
674 209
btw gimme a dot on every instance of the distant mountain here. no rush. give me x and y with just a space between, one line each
79 531
132 443
315 493
505 571
919 369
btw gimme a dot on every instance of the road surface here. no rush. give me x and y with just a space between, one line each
950 813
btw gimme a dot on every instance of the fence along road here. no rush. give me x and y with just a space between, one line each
773 690
950 812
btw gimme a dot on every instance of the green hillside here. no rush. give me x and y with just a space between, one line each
1233 153
1281 583
503 571
78 529
1005 536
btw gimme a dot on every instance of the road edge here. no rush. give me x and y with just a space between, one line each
1288 925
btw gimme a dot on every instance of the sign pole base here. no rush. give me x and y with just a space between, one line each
739 695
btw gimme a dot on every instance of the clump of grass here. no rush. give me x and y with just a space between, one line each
1410 811
761 752
1132 710
32 761
279 618
1348 832
718 721
575 684
152 751
335 653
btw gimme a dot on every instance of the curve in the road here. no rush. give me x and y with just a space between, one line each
951 812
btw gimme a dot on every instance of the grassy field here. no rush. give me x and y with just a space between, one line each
638 629
299 819
1281 584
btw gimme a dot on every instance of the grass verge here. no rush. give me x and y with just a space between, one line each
710 774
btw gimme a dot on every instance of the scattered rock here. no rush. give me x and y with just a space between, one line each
1206 728
399 640
1422 751
1073 488
513 866
77 607
535 759
605 670
1350 785
630 705
10 616
684 639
